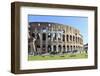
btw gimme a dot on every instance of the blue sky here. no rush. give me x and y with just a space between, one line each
78 22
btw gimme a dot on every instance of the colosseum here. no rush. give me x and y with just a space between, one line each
49 37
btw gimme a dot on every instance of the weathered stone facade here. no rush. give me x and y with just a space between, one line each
53 37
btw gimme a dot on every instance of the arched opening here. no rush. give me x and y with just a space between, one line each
67 37
78 48
59 48
55 36
71 48
73 38
70 38
76 39
74 48
63 37
54 48
49 48
44 36
68 48
43 49
64 49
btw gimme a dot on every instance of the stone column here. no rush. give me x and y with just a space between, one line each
52 48
72 39
65 34
57 37
56 40
66 48
56 48
75 43
46 42
72 48
69 38
75 47
61 48
41 42
61 37
31 48
52 37
51 34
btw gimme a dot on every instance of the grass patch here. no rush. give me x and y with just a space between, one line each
57 57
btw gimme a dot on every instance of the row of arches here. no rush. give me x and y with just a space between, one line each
69 38
58 48
73 39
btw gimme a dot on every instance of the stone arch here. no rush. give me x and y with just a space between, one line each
71 48
63 37
54 48
59 48
76 47
49 48
68 48
70 37
44 36
73 38
43 48
67 37
55 36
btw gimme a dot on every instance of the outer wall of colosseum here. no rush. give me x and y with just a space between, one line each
54 37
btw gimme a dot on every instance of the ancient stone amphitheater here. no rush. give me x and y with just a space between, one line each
49 37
